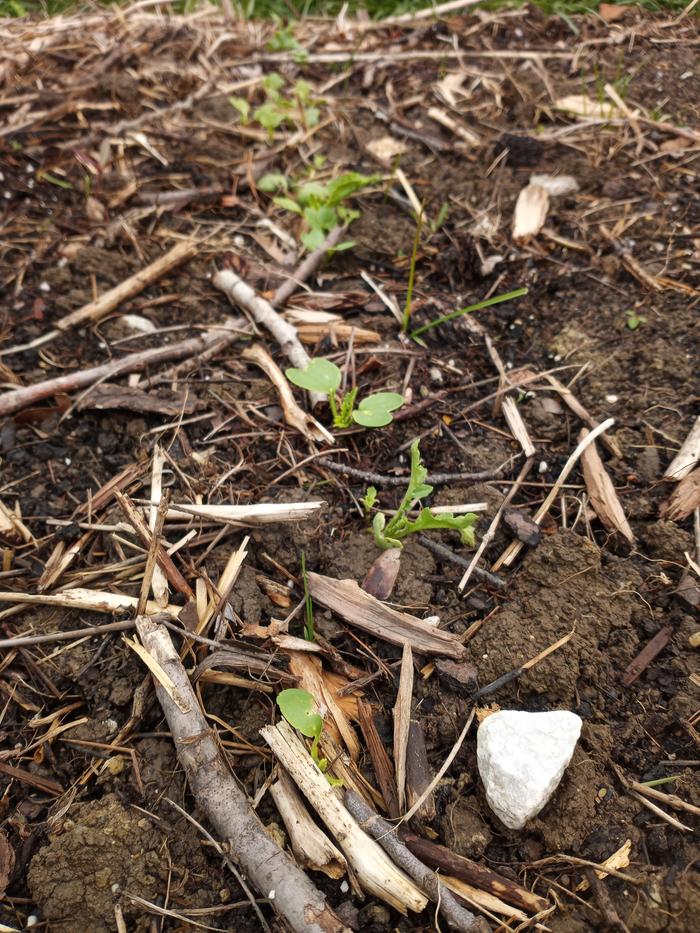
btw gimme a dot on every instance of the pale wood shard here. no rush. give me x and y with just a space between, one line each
687 457
101 307
601 492
87 600
159 581
262 513
517 426
483 899
310 845
402 723
295 416
684 499
376 873
346 599
530 212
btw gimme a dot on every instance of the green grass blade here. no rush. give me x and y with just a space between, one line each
479 306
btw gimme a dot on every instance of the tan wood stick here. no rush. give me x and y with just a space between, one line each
96 310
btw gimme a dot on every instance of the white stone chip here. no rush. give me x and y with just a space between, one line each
522 757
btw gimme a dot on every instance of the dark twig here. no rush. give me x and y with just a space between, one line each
457 916
382 480
447 554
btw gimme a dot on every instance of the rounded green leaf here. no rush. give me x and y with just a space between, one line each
299 709
372 419
319 376
375 410
384 401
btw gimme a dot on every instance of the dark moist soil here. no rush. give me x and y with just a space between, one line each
110 838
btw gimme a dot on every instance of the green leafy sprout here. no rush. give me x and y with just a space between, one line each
374 411
299 709
320 205
392 533
295 109
634 320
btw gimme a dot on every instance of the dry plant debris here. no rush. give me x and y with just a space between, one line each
191 204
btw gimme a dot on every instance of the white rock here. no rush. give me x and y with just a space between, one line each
137 323
522 757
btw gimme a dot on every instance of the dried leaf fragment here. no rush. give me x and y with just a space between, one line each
601 491
530 212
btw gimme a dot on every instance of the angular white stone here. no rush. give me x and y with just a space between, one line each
522 757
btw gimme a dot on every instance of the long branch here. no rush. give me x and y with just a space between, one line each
293 896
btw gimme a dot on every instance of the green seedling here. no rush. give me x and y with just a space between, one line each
320 205
392 533
479 306
634 320
299 709
309 627
369 500
294 109
374 411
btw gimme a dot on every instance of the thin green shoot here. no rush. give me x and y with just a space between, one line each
664 780
309 627
412 274
479 306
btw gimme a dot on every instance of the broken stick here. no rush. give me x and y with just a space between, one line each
292 895
96 310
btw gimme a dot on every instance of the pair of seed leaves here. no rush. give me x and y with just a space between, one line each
321 375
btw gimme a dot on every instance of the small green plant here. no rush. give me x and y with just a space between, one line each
634 320
295 109
309 627
299 709
392 533
285 41
374 411
320 205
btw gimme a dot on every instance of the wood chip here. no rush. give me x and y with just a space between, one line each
684 499
530 212
346 599
601 491
687 457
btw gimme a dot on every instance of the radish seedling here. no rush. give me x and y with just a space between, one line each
391 534
374 411
299 709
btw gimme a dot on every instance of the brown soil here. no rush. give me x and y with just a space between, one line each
107 836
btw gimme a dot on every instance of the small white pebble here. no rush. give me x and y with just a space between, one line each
67 461
344 887
435 375
271 895
44 287
29 168
116 888
686 75
611 399
7 195
32 921
557 357
485 657
62 262
30 184
432 620
542 468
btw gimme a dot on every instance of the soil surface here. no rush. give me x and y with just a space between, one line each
120 140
